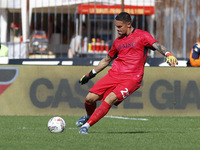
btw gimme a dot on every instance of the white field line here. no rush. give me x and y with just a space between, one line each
72 128
114 117
126 118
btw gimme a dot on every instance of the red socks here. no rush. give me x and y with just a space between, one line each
99 113
90 108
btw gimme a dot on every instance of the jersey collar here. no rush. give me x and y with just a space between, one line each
131 32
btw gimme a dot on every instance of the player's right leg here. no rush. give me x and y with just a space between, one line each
90 106
99 112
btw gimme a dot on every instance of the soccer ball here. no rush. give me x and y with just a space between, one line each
56 125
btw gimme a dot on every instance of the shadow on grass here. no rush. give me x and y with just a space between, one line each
135 132
125 132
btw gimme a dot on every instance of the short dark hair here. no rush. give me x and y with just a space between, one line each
123 16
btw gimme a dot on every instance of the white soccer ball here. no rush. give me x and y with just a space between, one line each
56 125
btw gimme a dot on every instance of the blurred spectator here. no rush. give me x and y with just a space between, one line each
3 50
77 42
194 60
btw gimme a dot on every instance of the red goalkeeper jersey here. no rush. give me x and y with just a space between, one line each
131 53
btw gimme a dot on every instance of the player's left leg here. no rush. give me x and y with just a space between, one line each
103 108
98 92
116 96
100 112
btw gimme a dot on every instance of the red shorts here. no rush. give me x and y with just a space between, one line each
121 87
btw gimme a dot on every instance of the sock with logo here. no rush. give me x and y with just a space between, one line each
99 113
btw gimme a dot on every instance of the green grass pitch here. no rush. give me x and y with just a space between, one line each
126 133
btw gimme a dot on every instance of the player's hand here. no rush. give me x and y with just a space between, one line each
171 59
86 78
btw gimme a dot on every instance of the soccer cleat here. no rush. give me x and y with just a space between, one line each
82 120
83 130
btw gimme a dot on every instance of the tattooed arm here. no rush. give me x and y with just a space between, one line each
171 59
163 50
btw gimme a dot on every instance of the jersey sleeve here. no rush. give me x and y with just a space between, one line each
195 55
194 62
196 51
148 39
113 51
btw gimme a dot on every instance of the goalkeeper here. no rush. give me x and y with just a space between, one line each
126 73
194 60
